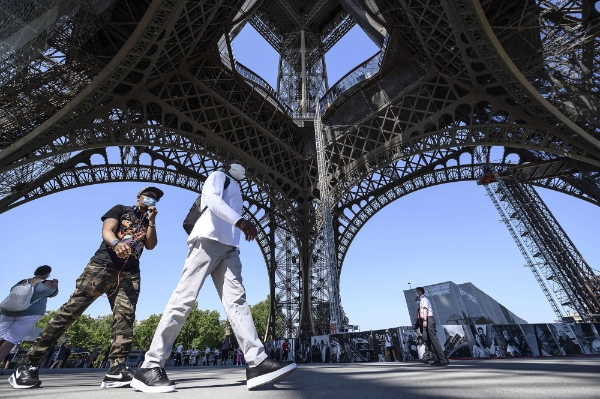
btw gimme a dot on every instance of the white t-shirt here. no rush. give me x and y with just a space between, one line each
224 211
425 306
179 348
388 340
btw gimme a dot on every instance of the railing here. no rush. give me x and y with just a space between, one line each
263 86
360 73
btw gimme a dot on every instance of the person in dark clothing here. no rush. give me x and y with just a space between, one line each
426 322
63 354
226 345
114 270
285 348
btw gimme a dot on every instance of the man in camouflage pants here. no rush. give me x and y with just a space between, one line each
113 270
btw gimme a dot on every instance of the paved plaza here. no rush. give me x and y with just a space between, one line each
527 378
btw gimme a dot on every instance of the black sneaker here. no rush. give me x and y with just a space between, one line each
117 376
25 377
153 380
268 371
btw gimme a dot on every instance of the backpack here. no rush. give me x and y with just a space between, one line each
194 214
19 297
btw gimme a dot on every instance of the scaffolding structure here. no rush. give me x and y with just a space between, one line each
569 280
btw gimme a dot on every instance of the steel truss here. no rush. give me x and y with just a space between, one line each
146 80
573 284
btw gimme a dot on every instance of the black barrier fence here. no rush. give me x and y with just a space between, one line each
479 341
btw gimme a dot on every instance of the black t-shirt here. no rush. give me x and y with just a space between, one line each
132 229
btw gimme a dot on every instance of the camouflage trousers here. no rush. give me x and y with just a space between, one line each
122 291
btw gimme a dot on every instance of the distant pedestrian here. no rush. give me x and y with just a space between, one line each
216 356
94 356
195 353
285 348
238 356
206 356
389 347
179 356
426 322
225 345
105 361
63 354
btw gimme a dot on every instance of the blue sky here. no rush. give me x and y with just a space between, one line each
444 233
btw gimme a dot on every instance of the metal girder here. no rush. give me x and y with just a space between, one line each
339 31
266 32
313 11
396 180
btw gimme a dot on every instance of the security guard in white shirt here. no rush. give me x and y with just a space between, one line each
426 322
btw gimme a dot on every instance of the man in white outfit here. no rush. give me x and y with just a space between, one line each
213 250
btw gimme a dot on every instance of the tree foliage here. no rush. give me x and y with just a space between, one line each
85 332
202 328
143 332
260 315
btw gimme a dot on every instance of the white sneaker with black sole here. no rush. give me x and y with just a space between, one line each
117 376
268 371
25 377
152 380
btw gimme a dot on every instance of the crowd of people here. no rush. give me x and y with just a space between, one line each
193 357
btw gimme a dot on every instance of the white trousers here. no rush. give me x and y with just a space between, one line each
222 262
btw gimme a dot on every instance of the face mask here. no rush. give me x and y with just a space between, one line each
237 171
149 201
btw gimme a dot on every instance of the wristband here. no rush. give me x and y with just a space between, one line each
114 242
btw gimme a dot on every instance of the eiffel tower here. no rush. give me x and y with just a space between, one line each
157 82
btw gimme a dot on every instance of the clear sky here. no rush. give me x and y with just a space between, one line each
444 233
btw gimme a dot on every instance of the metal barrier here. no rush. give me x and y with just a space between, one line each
360 73
263 87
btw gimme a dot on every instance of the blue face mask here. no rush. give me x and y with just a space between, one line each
149 201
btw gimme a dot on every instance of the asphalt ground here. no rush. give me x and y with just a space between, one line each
507 378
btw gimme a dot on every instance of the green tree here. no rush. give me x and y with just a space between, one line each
85 332
260 315
202 328
43 321
100 332
143 332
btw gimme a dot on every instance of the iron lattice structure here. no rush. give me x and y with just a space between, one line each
560 270
95 91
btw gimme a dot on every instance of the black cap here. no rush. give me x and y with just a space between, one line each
159 193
